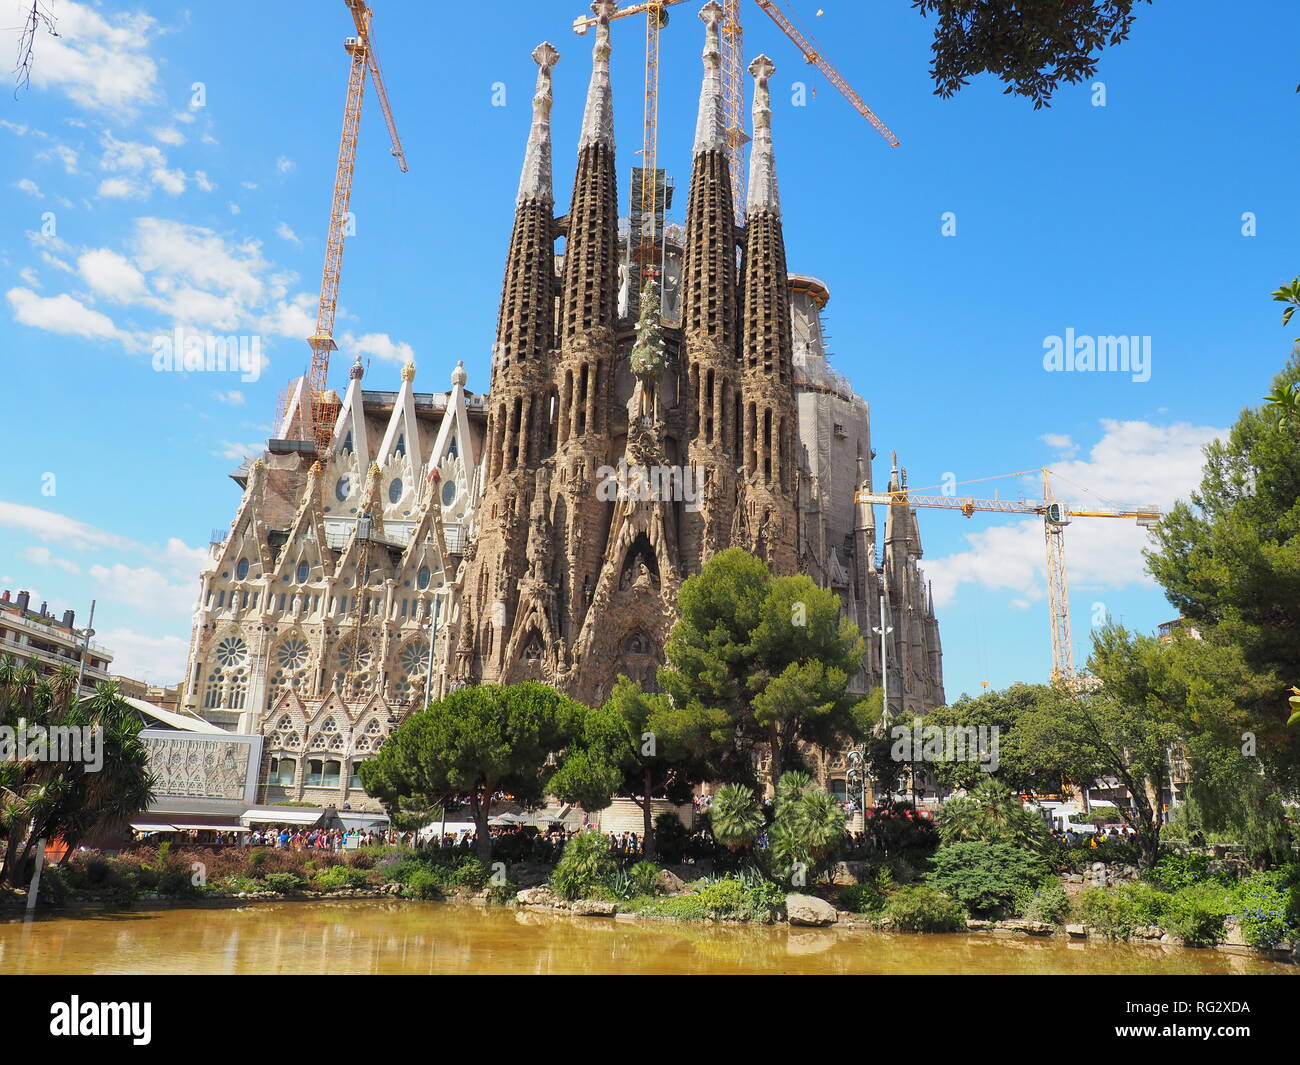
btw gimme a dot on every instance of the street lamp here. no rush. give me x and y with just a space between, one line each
883 630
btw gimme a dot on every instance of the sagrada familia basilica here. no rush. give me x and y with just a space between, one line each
543 529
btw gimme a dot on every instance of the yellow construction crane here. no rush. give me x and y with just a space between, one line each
733 66
361 51
1056 516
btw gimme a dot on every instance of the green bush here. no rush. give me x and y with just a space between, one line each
233 885
639 881
986 877
340 878
585 865
53 890
422 883
670 838
1268 908
471 873
863 898
1048 902
919 908
1148 903
1178 870
744 897
1107 912
283 883
1196 914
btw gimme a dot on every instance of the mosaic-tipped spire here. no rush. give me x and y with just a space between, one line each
710 122
535 179
763 194
598 117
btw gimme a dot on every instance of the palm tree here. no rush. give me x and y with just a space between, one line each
48 799
992 813
735 816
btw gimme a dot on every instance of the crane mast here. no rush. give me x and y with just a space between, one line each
362 59
1056 516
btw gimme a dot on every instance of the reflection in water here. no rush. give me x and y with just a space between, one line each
412 937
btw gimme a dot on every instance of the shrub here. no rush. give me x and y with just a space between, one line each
1177 870
746 897
640 880
919 908
986 877
233 885
670 838
1108 912
1196 914
863 898
283 883
422 883
585 865
1268 907
340 878
470 873
53 890
1048 903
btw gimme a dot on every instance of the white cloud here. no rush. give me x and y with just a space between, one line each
380 345
121 189
159 660
112 275
48 525
30 187
62 154
203 181
171 182
1134 464
1062 443
60 314
43 556
233 398
283 231
145 588
99 62
284 164
169 135
234 208
239 452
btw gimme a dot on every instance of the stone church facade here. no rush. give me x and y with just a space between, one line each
543 530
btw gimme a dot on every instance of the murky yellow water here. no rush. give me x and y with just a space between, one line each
407 937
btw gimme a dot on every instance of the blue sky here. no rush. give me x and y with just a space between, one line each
129 211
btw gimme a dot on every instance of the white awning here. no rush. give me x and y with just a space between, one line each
214 828
287 816
142 827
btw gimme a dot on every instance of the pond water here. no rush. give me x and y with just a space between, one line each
362 936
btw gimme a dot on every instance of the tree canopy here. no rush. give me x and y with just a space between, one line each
1032 47
481 740
763 661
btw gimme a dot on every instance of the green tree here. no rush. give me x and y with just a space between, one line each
480 740
766 661
1229 561
653 749
1018 767
735 816
807 829
1033 47
49 798
992 813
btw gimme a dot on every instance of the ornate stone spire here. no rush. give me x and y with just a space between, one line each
598 118
535 179
710 122
763 194
408 371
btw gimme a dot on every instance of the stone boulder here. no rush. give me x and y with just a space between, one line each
807 910
669 882
537 896
593 908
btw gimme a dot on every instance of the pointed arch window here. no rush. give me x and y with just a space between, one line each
400 447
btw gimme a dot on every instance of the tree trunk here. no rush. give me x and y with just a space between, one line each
648 827
775 743
482 811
